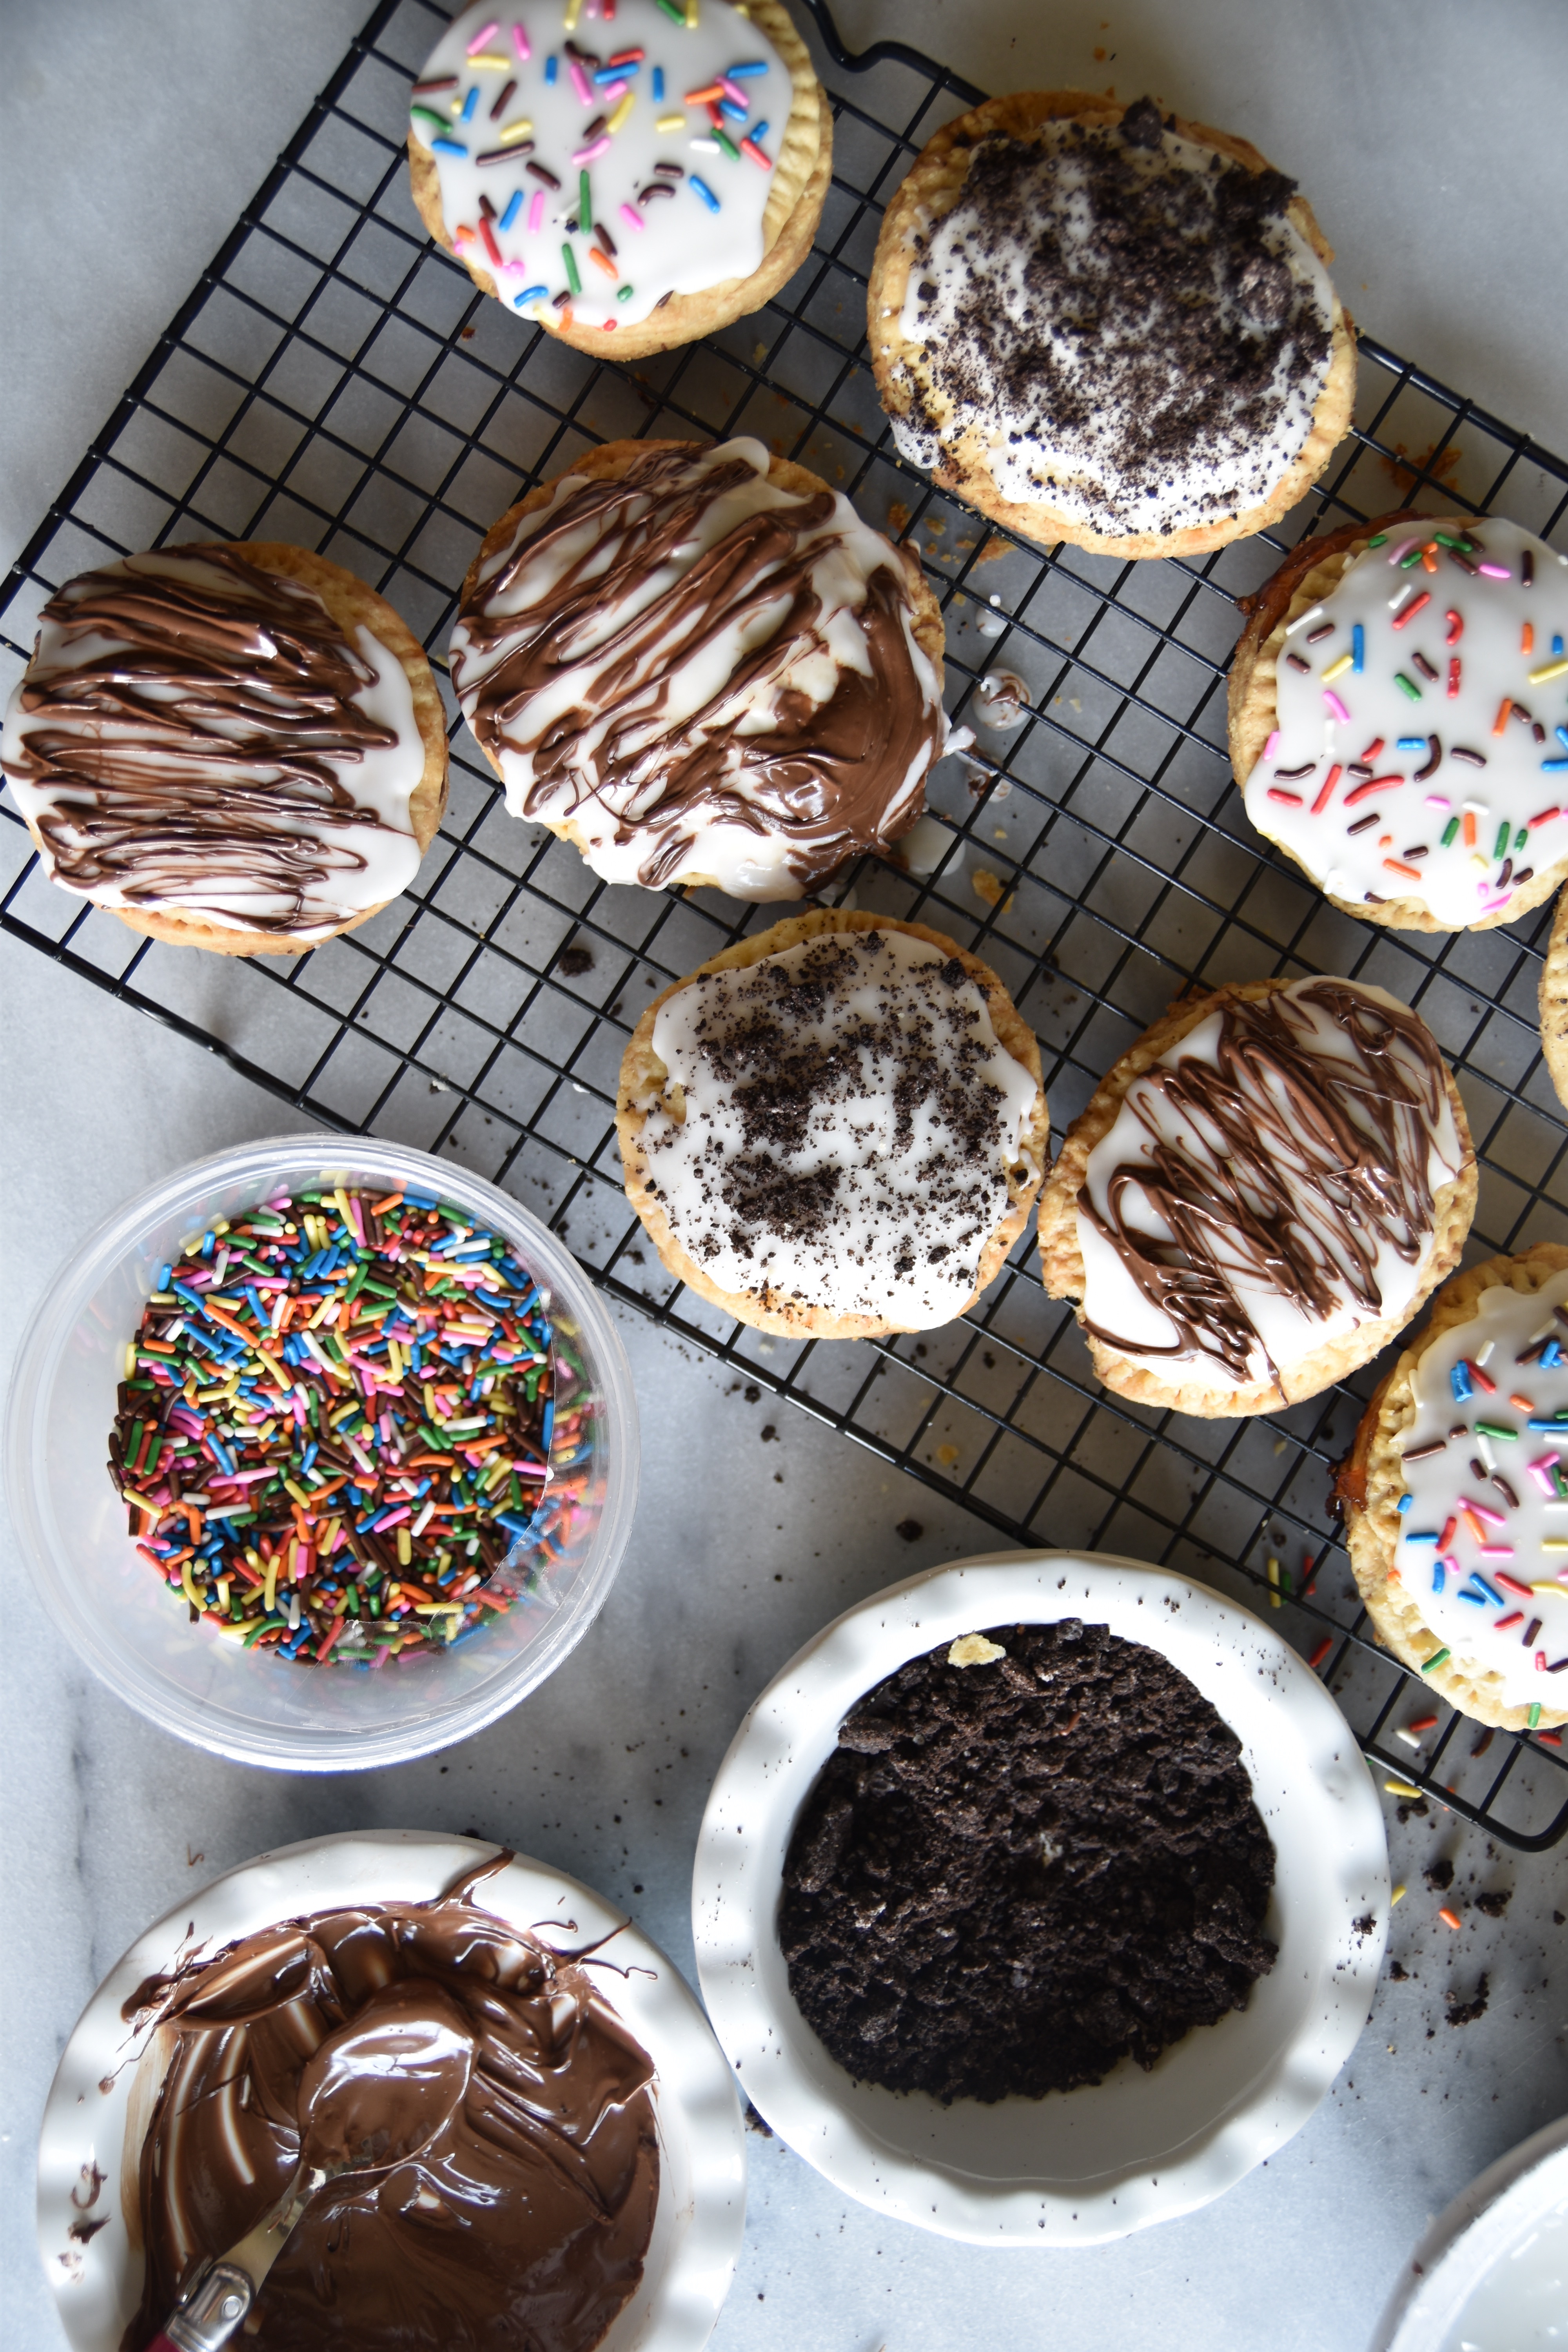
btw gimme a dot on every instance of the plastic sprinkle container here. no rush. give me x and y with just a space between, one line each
110 1600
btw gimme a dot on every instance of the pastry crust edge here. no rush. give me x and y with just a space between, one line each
1553 997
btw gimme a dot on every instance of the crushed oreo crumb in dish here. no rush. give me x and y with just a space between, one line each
1032 1855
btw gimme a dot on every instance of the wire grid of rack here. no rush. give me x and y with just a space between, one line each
334 380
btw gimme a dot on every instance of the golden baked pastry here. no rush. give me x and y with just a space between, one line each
1554 1001
1392 699
590 184
1451 1524
1260 1195
232 747
701 667
835 1129
1092 330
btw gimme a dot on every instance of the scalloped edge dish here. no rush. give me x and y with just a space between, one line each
82 2161
1086 2165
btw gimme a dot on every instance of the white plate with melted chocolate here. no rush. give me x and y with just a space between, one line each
588 2183
1041 1897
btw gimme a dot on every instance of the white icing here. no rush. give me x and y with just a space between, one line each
681 246
746 862
1506 1321
1526 770
1113 1301
1075 470
366 864
910 1217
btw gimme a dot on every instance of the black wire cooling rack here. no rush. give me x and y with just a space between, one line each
334 380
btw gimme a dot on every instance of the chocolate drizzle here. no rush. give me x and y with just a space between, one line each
831 778
523 2221
188 739
1278 1165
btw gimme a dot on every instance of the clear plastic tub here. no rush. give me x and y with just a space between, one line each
123 1621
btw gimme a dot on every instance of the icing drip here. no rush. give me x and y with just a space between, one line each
519 128
1267 1185
848 1119
1483 1545
703 674
523 2219
1421 748
1127 323
195 733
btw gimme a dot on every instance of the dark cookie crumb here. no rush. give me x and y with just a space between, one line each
1439 1876
1398 1971
1495 1902
573 962
1008 1876
1465 2012
910 1530
1173 279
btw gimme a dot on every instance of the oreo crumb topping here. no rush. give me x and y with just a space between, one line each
1010 1876
1115 310
842 1124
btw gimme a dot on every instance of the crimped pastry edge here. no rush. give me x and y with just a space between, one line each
1554 1002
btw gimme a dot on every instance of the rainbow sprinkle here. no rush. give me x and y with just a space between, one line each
337 1418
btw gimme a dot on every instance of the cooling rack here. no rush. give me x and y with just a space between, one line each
334 380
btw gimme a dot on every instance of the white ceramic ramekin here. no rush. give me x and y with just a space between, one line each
1082 2166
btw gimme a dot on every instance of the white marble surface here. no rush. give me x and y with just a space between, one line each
1429 140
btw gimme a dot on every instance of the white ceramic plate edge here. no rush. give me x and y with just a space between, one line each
1470 2237
700 2216
774 1759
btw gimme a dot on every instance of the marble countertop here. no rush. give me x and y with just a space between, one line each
1429 144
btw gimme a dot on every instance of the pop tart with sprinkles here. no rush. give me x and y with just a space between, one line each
647 169
1399 719
1455 1495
